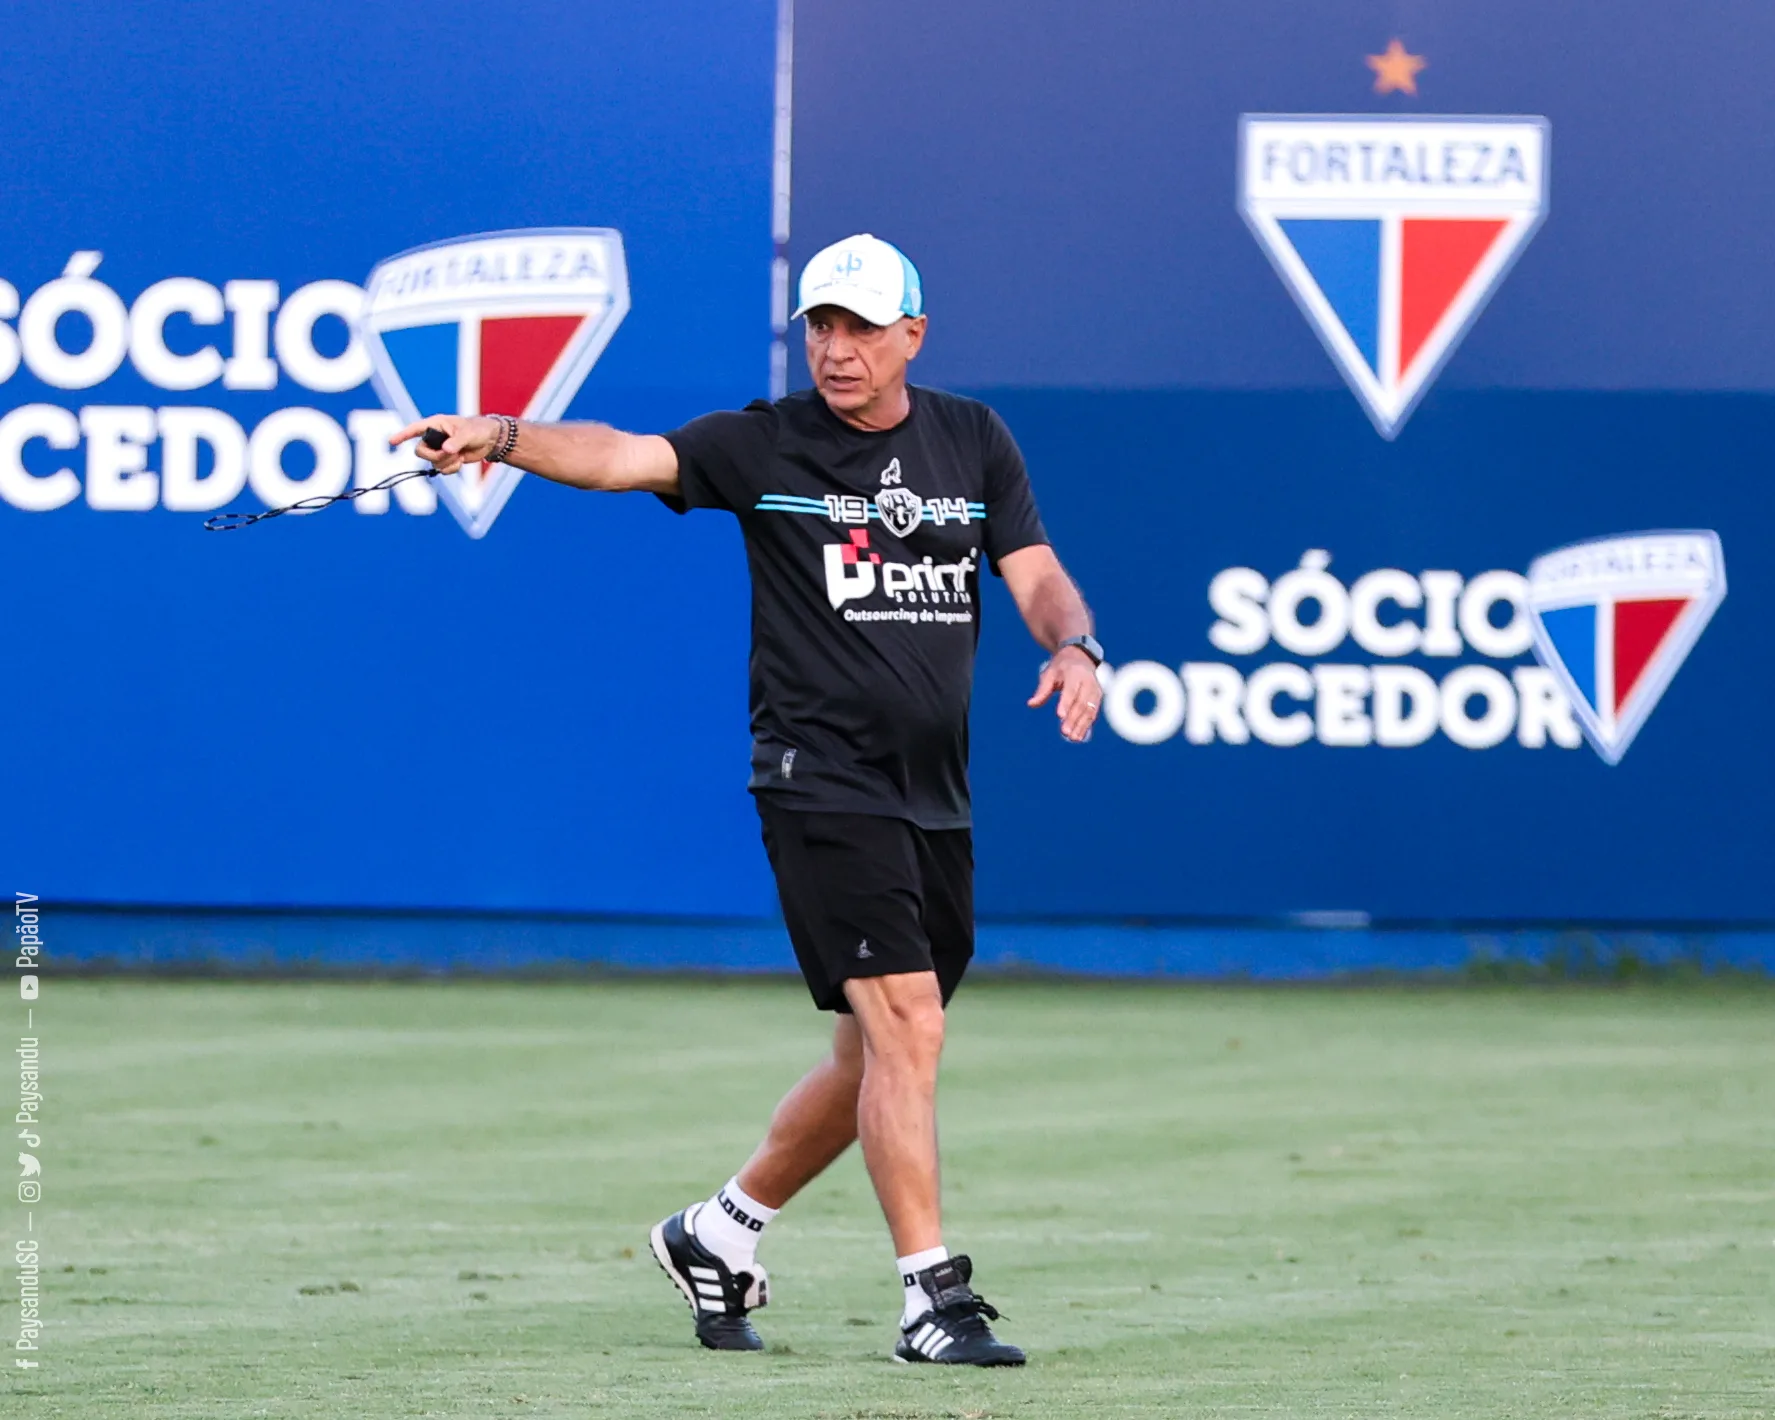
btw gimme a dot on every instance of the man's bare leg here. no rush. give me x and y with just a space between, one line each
814 1124
880 1081
944 1319
900 1019
709 1250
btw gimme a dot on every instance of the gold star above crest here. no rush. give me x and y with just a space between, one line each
1396 71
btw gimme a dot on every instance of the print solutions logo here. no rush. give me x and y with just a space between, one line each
852 569
1392 233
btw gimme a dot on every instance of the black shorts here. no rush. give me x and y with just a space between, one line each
870 896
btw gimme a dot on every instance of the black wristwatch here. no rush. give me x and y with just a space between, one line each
1086 643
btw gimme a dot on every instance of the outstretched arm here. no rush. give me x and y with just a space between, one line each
581 455
1053 610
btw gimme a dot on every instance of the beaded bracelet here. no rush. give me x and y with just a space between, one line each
508 439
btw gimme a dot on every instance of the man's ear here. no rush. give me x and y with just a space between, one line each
915 328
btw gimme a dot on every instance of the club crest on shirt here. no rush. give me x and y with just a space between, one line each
900 509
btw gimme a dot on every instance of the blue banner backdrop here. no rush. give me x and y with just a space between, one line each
367 709
1324 697
1070 186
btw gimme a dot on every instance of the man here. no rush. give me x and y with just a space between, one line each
866 505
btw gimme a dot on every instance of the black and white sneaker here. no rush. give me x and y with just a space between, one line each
719 1298
954 1331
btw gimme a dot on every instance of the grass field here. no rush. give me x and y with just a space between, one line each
409 1200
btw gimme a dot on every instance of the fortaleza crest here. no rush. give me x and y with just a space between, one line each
1391 233
502 323
1614 620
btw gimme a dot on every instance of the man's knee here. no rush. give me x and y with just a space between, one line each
899 1016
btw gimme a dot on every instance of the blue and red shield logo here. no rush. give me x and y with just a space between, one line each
1614 620
1391 233
502 323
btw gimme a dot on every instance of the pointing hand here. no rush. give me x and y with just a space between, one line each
469 439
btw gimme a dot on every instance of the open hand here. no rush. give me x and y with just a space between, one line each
470 438
1073 675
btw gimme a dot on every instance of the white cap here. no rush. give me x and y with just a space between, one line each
863 274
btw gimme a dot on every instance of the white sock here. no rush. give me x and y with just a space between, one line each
918 1301
730 1225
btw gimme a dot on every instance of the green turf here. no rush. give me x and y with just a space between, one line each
391 1200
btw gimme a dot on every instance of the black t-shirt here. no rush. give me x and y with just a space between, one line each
864 549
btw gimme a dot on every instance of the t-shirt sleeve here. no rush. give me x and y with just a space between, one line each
1012 520
723 459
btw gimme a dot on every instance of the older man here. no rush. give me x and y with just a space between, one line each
867 505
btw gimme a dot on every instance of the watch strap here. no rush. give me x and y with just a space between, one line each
1086 643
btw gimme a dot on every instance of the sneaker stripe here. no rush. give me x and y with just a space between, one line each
705 1284
942 1344
921 1339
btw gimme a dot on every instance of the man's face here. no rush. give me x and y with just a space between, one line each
853 363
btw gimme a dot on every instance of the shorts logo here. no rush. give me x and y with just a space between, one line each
1391 233
504 323
1614 619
